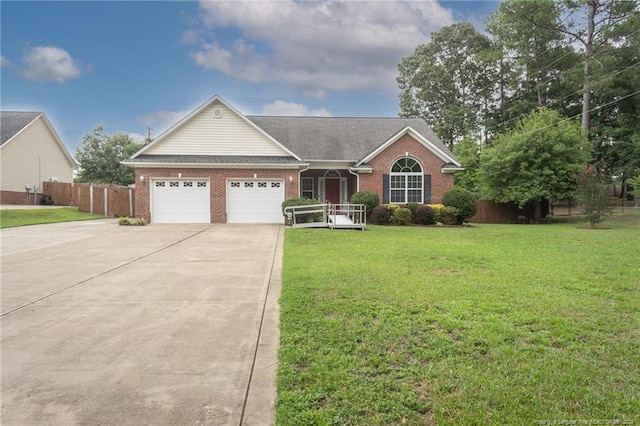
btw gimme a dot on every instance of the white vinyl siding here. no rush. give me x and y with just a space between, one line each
204 134
32 157
254 201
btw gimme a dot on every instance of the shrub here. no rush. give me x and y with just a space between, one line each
401 216
368 198
450 216
392 207
425 215
137 221
412 207
300 201
463 200
437 211
380 215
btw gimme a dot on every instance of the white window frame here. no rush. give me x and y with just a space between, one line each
402 178
303 191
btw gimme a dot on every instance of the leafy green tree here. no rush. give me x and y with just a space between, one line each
448 82
615 128
598 27
468 152
535 61
537 160
591 183
100 157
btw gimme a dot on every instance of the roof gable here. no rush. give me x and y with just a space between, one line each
215 129
13 122
435 147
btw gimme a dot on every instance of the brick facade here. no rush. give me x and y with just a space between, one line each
18 198
403 147
218 179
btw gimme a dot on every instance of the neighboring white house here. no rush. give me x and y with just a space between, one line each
31 152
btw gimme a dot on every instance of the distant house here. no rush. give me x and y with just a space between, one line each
218 165
31 152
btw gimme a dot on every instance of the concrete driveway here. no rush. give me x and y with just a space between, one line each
161 324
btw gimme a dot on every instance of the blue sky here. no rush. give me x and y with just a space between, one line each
129 65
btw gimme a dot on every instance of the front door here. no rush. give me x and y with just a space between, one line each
332 190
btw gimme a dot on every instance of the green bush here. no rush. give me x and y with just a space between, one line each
463 200
368 198
450 216
300 201
391 207
401 216
437 211
425 215
136 221
380 215
412 207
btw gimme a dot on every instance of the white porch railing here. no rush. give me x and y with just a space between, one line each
327 215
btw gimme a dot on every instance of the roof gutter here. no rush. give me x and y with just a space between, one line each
214 165
449 170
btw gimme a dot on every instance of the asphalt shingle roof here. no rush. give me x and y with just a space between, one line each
339 138
11 122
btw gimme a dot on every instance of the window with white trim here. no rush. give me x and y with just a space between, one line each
406 181
306 190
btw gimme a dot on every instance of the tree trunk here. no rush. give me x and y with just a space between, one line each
586 86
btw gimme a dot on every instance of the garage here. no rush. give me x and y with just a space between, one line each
180 201
254 201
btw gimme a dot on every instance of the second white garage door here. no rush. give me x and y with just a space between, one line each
255 201
180 201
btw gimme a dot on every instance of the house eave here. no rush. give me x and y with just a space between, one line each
261 166
449 170
361 170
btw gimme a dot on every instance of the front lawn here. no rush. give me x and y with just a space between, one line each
490 324
19 217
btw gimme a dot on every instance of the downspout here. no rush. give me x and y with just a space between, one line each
357 175
300 178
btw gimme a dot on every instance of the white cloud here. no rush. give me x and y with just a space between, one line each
315 46
292 108
159 121
50 63
3 61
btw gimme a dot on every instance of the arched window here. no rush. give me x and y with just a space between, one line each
406 181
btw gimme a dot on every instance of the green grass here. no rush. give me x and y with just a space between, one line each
13 218
489 324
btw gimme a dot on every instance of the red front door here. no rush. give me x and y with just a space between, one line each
332 190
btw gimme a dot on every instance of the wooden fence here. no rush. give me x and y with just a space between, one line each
492 212
107 200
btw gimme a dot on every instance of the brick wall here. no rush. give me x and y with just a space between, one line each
218 179
431 164
13 197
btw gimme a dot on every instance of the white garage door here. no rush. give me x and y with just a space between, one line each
255 201
180 201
